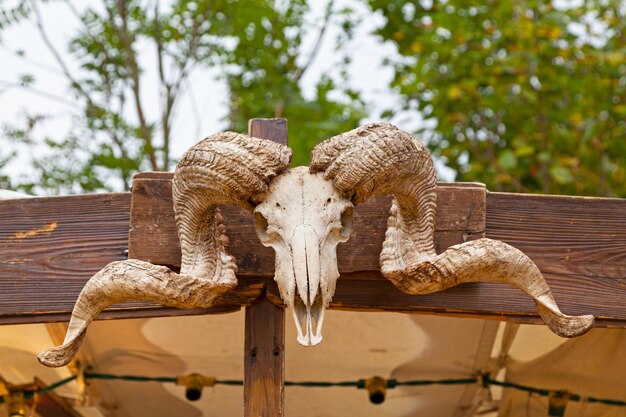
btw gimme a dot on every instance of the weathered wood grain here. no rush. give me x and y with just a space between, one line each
578 243
264 343
460 217
49 248
272 129
264 360
369 291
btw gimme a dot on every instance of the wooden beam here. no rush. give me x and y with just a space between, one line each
153 236
50 404
579 243
272 129
264 345
568 238
51 246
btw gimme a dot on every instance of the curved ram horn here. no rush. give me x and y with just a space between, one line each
226 168
380 159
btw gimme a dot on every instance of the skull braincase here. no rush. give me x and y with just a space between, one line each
303 218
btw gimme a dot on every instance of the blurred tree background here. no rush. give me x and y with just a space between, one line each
525 96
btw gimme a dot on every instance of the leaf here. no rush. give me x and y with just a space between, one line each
454 92
507 159
620 109
525 151
416 47
387 114
26 80
576 119
561 175
544 157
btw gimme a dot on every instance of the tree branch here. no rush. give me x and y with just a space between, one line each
55 53
159 44
131 62
41 93
173 90
51 69
108 91
318 43
196 112
75 12
166 90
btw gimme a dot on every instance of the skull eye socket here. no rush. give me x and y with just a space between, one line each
261 225
346 221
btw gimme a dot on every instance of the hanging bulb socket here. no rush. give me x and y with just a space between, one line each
376 387
17 404
194 383
83 385
557 402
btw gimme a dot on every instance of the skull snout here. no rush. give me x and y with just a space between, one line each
308 307
303 218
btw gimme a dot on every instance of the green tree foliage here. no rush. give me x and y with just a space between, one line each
524 96
5 181
265 81
257 44
112 133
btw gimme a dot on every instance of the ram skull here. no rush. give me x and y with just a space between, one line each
304 218
303 213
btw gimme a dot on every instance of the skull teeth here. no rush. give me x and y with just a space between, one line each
307 317
300 317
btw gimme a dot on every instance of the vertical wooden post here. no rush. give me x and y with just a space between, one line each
264 351
264 362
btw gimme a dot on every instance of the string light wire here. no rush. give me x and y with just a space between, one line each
484 380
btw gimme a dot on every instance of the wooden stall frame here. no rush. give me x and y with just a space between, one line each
50 246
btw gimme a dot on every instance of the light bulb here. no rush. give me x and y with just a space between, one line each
17 404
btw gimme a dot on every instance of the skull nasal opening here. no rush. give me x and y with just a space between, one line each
347 216
261 225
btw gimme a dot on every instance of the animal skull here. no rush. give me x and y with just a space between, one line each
303 213
303 218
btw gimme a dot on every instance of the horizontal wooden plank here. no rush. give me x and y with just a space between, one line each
115 313
531 223
370 292
579 243
566 235
49 248
153 237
